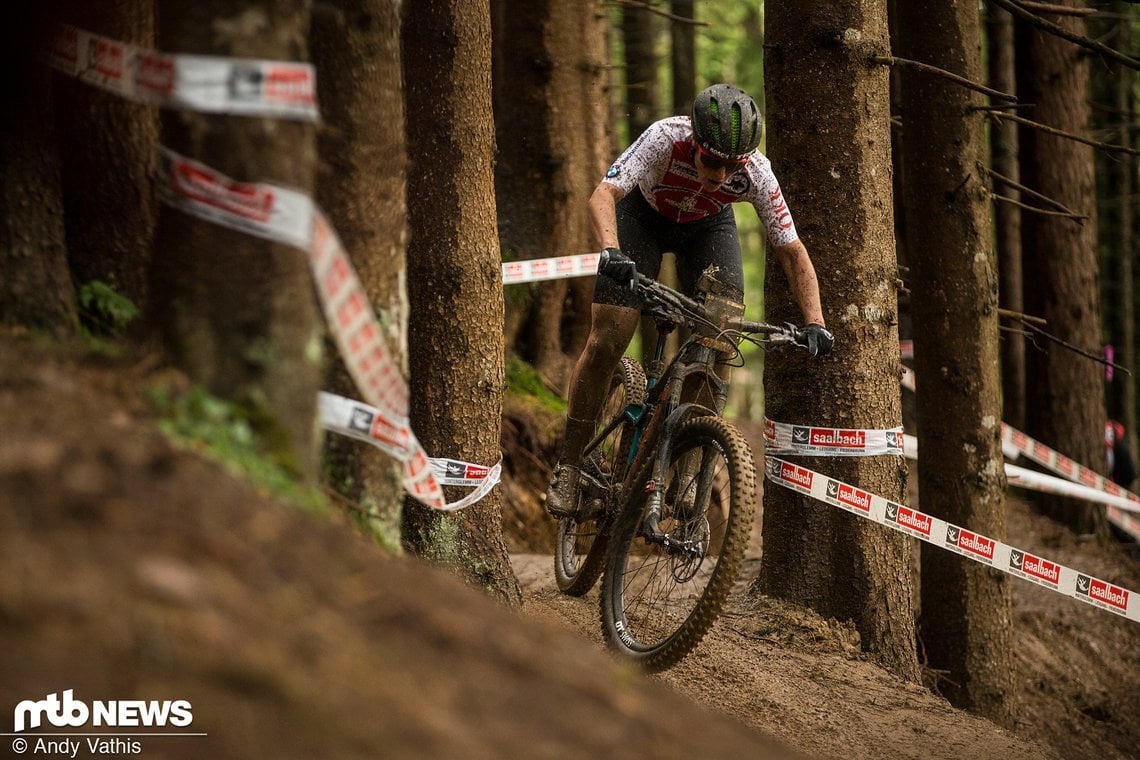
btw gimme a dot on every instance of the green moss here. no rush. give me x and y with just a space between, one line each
444 541
524 380
242 439
102 310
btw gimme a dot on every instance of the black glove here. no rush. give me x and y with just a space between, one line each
816 339
618 267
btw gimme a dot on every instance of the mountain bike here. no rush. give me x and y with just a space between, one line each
668 486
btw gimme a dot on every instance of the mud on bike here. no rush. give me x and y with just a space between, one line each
668 486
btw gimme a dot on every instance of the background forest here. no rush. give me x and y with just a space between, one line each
963 175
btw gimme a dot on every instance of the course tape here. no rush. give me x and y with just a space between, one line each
272 212
996 554
556 268
366 423
1015 443
289 216
1039 481
212 84
783 439
1065 467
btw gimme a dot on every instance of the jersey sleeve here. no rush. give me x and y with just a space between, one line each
651 149
772 208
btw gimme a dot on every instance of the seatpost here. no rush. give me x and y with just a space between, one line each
657 365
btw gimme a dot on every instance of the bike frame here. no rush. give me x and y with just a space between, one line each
656 418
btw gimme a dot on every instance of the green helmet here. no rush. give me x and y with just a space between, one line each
726 122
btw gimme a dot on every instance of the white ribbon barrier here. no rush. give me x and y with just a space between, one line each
782 439
1000 556
288 216
366 423
272 212
1015 443
556 268
1038 481
212 84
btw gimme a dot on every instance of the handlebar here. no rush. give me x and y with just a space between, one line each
664 303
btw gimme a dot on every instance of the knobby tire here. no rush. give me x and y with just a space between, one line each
580 545
656 605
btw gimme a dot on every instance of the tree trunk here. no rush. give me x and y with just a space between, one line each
237 312
1115 173
1065 401
641 109
35 285
837 179
638 34
966 608
110 145
1007 217
360 185
684 56
1125 385
454 278
548 66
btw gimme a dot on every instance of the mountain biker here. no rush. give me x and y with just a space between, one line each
673 190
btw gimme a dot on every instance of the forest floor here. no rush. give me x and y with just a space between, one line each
134 569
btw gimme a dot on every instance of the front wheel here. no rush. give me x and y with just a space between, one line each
666 579
580 546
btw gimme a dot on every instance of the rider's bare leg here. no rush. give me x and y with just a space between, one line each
611 328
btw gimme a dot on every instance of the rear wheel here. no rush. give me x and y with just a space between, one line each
580 546
664 587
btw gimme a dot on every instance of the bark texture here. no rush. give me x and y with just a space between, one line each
455 344
828 119
1007 217
109 146
238 313
1065 393
966 608
548 67
35 285
361 187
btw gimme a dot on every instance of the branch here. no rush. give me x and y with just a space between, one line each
1020 316
891 60
1031 193
1002 106
1038 331
1057 10
1060 133
659 12
1044 212
1064 34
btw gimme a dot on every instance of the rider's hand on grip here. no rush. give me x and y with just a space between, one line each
618 267
816 339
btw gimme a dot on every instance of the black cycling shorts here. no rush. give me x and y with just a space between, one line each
645 235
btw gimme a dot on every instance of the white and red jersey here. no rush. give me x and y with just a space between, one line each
660 162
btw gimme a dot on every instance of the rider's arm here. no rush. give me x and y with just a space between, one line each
603 214
796 263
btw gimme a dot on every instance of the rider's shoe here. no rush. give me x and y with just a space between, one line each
562 497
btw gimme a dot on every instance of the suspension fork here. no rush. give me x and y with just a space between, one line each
664 429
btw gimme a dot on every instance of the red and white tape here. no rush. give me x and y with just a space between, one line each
212 84
367 423
783 439
1039 481
556 268
1016 443
288 216
988 551
272 212
1117 510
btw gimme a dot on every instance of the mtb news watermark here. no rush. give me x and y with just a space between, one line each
96 727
